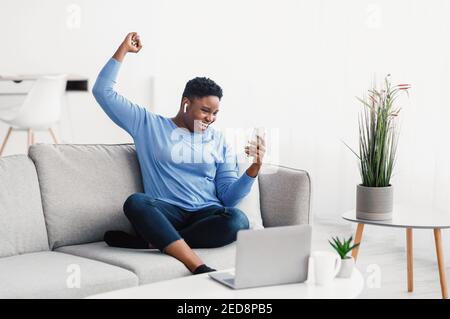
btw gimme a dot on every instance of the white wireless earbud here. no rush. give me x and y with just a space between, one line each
185 106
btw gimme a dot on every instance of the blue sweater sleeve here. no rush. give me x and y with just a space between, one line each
124 113
229 187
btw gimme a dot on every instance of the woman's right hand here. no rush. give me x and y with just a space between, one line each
131 43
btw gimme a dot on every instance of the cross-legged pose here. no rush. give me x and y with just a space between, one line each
189 172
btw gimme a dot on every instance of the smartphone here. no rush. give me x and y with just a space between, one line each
258 131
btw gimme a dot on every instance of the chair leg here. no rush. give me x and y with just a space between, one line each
30 138
53 135
5 140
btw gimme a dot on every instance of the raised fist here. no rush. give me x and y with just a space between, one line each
132 43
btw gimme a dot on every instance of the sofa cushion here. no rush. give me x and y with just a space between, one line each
83 188
151 265
55 275
22 225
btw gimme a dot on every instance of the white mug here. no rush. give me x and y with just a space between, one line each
325 265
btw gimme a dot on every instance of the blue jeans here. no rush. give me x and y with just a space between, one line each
160 223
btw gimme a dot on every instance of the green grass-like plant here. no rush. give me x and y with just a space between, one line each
343 247
377 134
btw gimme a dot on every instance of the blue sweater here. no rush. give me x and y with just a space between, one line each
189 170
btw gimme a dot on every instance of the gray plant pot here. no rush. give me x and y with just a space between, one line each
347 266
374 203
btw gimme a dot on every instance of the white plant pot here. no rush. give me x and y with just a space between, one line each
347 266
374 203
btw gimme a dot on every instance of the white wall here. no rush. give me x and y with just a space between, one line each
37 37
292 65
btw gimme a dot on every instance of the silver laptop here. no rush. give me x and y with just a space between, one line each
270 256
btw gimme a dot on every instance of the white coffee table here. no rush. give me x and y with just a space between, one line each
410 218
203 287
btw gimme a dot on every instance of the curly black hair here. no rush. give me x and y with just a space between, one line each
200 87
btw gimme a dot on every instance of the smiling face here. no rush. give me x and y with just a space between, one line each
200 112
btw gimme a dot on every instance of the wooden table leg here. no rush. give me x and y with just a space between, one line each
358 236
409 257
440 259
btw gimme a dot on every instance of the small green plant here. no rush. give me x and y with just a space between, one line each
343 247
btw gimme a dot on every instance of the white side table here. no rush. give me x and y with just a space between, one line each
410 218
204 287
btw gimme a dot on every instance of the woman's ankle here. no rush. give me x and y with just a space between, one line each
181 251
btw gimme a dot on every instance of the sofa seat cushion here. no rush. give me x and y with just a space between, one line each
150 265
55 275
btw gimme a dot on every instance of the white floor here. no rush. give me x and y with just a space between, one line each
383 265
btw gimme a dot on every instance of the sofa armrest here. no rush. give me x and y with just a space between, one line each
285 196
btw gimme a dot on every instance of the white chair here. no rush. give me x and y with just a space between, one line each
40 110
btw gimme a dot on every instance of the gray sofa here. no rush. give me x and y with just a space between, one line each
57 202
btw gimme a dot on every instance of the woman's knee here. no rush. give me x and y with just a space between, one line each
237 219
133 204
